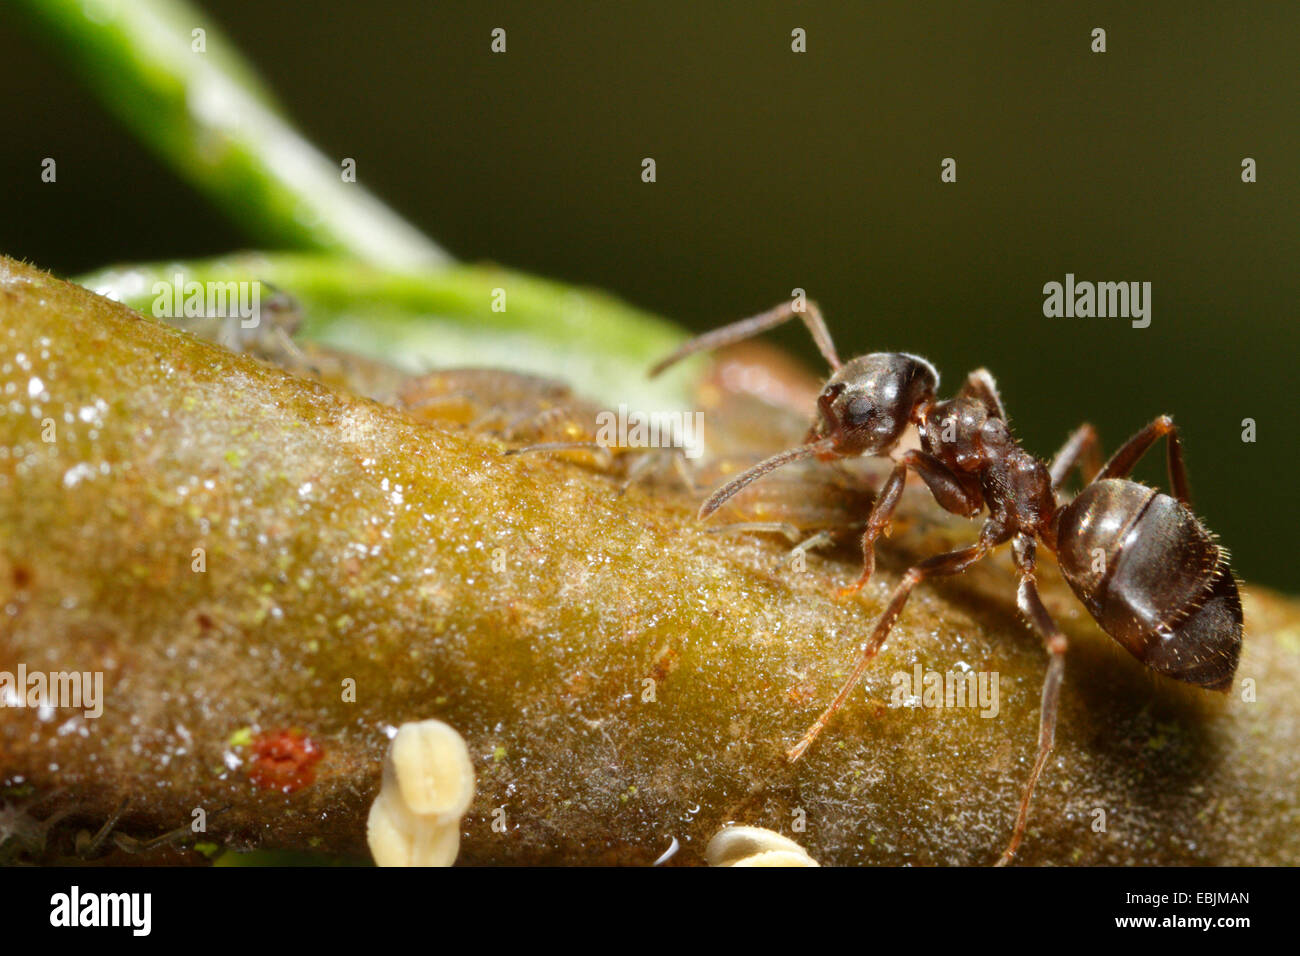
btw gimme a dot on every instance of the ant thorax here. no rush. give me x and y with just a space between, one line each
981 451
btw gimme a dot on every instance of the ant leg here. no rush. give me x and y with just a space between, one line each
1081 450
954 562
947 488
1031 606
981 385
881 512
748 328
1122 462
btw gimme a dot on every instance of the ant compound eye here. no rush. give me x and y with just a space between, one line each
874 427
861 411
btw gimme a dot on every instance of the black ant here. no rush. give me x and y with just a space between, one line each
1146 569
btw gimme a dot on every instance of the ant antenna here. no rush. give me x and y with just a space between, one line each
748 328
720 497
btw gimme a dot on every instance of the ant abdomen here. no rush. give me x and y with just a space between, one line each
1155 580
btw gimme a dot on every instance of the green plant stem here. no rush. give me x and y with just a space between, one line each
208 116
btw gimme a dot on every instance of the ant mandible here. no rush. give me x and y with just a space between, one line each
1147 570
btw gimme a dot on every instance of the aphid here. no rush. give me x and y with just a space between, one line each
1146 569
542 414
269 334
516 405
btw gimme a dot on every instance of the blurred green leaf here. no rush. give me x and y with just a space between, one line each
444 317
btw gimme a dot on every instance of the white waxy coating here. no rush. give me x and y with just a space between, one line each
428 785
754 846
433 769
398 837
777 858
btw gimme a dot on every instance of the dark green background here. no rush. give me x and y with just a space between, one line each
820 170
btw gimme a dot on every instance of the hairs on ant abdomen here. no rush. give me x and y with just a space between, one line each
1144 566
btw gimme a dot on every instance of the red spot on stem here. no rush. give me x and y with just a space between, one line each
283 760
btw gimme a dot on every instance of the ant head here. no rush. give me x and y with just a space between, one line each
866 405
863 410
